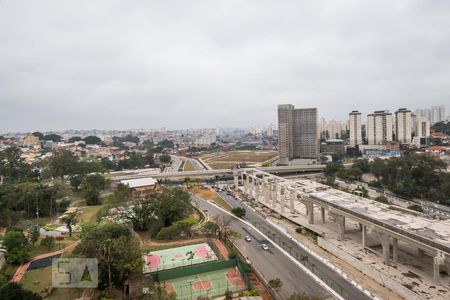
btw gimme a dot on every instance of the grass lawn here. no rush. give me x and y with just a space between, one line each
210 194
37 280
220 165
89 214
10 270
40 279
225 160
37 249
188 166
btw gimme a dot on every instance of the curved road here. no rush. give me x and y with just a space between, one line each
334 280
271 263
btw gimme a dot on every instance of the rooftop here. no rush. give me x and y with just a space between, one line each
141 182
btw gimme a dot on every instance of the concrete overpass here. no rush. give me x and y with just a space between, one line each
390 226
222 172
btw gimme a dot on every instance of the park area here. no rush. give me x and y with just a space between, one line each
206 285
226 160
178 257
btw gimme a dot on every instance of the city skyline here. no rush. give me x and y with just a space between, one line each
213 64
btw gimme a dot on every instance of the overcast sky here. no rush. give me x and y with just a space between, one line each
195 64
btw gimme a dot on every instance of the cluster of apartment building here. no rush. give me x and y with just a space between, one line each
299 131
403 126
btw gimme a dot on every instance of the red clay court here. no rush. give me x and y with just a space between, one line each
211 284
178 257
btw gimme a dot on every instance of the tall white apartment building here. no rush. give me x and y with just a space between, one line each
424 113
422 127
403 123
355 128
379 127
438 114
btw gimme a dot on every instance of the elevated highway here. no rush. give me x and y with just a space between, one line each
221 172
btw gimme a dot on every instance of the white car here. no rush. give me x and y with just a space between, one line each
247 238
264 247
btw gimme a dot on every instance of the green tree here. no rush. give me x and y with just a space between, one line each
171 205
165 158
16 245
123 193
92 196
33 234
142 216
76 181
97 181
53 137
338 156
14 291
13 167
363 165
93 184
185 225
276 284
70 219
48 242
38 134
63 162
211 228
92 140
169 233
115 247
332 168
238 212
74 139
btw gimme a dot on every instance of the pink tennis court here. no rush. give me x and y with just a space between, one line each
178 257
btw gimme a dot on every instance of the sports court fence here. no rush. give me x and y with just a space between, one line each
193 270
204 286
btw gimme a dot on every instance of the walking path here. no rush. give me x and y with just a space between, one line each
23 268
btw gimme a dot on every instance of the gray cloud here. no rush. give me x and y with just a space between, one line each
181 64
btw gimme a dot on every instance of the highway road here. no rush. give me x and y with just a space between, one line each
334 280
270 263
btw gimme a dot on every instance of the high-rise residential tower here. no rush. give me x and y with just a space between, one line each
355 128
297 133
403 125
422 127
379 127
438 114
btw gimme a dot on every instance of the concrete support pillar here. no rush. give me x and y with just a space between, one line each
247 185
420 253
394 249
322 214
274 191
267 192
257 190
385 244
438 261
310 211
236 181
341 226
253 188
363 234
292 198
282 200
